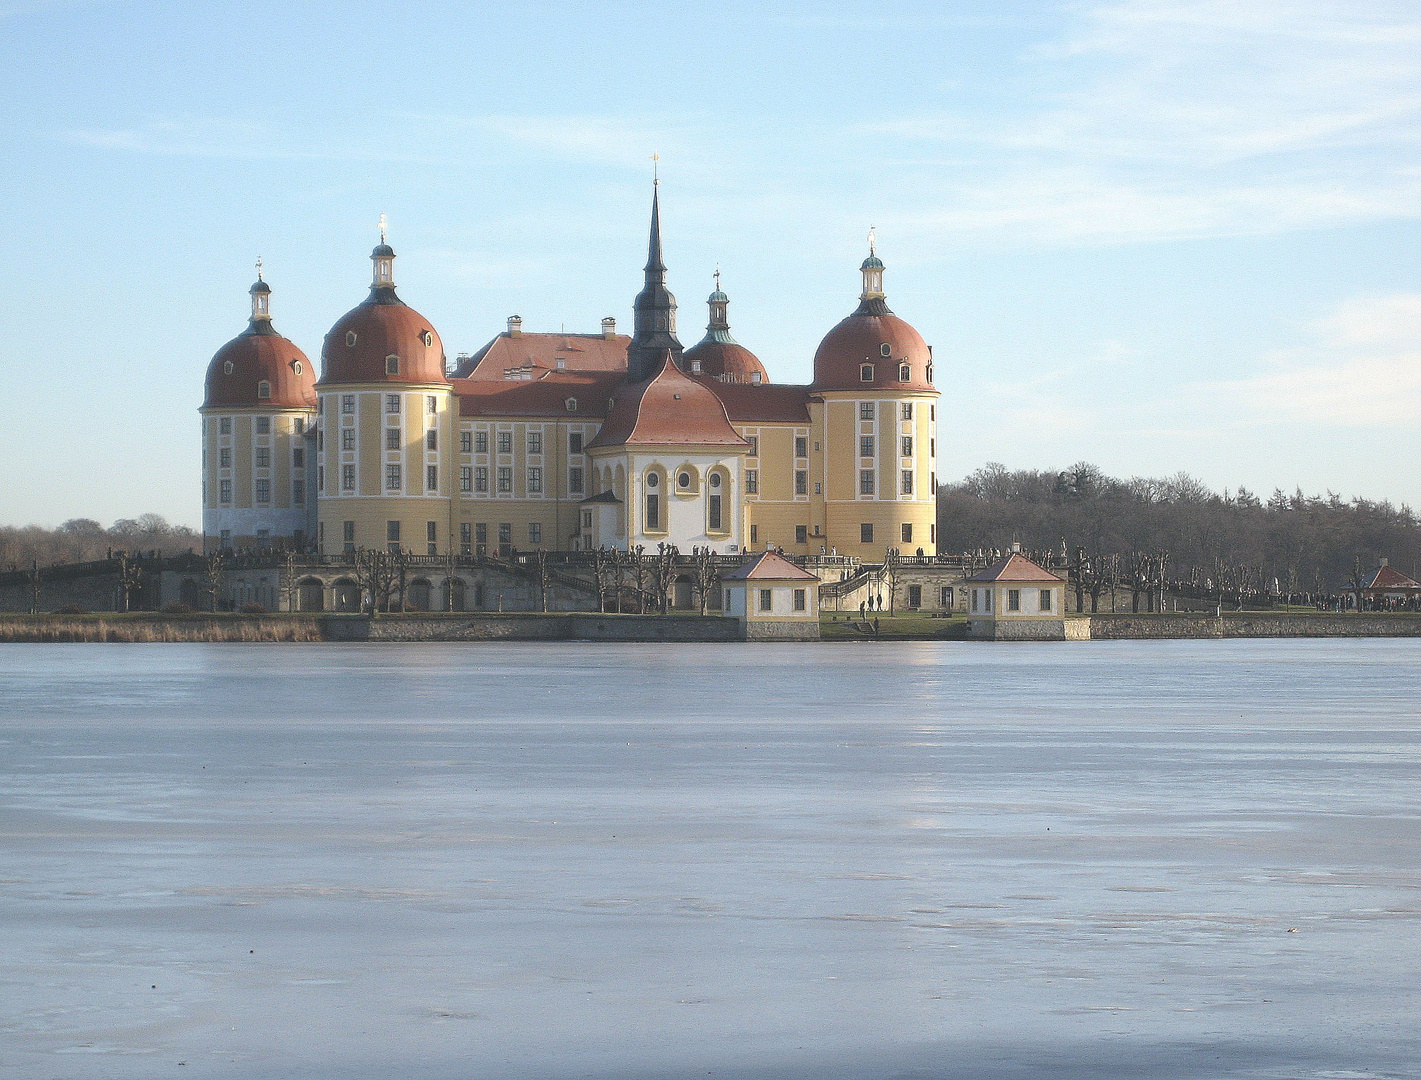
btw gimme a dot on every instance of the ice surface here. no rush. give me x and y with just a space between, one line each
1142 859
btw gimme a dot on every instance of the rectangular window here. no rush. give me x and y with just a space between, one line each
263 491
320 478
224 458
586 520
801 599
392 365
347 438
907 446
466 478
466 442
431 405
481 442
866 533
347 404
224 426
392 403
298 492
298 457
481 534
574 442
915 596
347 532
392 536
481 478
932 534
227 539
907 481
535 532
505 539
944 597
907 410
431 478
1045 599
754 534
263 425
431 439
574 481
801 446
754 441
653 511
299 425
263 457
535 442
347 477
320 440
932 448
866 482
505 442
865 446
907 532
932 413
224 491
752 482
766 600
974 598
392 477
431 530
392 438
535 481
801 534
505 480
801 482
1013 599
466 538
713 513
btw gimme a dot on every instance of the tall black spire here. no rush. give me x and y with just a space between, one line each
654 325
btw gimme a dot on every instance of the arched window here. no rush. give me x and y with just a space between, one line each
263 389
930 373
350 339
866 373
392 365
904 373
571 404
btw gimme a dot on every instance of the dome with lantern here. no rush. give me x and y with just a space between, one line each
718 355
259 368
873 349
382 339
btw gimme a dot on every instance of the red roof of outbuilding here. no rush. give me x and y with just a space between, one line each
669 408
768 566
1015 567
1389 577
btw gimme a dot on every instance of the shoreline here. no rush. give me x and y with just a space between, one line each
153 627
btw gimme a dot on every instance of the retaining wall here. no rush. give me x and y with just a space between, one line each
1253 624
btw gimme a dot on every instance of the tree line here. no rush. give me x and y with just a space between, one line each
81 540
1310 544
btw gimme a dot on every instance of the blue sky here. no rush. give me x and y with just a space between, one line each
1158 235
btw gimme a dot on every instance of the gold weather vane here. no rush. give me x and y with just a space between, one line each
259 267
717 277
870 239
383 224
655 168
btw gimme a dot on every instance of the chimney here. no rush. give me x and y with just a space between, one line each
1016 547
609 327
515 326
1383 560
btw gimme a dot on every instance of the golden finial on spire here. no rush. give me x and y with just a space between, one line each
870 239
655 168
717 277
383 225
259 267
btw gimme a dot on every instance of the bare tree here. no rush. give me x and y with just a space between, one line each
639 569
664 573
288 579
601 571
34 582
890 574
540 568
705 576
215 577
378 575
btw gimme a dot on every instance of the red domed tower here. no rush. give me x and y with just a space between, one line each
874 374
260 400
386 420
719 355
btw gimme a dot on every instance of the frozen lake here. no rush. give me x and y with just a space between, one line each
1152 859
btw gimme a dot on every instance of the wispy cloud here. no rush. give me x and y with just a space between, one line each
224 138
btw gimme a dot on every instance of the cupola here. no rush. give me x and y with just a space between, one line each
718 355
259 368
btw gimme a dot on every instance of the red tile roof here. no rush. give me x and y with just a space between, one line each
579 352
563 394
1015 567
747 403
1389 577
768 566
669 408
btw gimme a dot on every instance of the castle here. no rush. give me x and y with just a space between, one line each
570 442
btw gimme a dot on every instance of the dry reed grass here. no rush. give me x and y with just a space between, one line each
155 628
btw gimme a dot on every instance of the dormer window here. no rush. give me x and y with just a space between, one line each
866 373
885 349
904 373
228 367
296 367
754 376
930 373
695 367
263 389
392 365
571 404
427 338
561 364
350 339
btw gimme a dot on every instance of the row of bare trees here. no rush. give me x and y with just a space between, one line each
82 540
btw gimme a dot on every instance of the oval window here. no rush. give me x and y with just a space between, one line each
427 338
350 339
684 480
885 349
296 367
652 480
227 368
715 480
